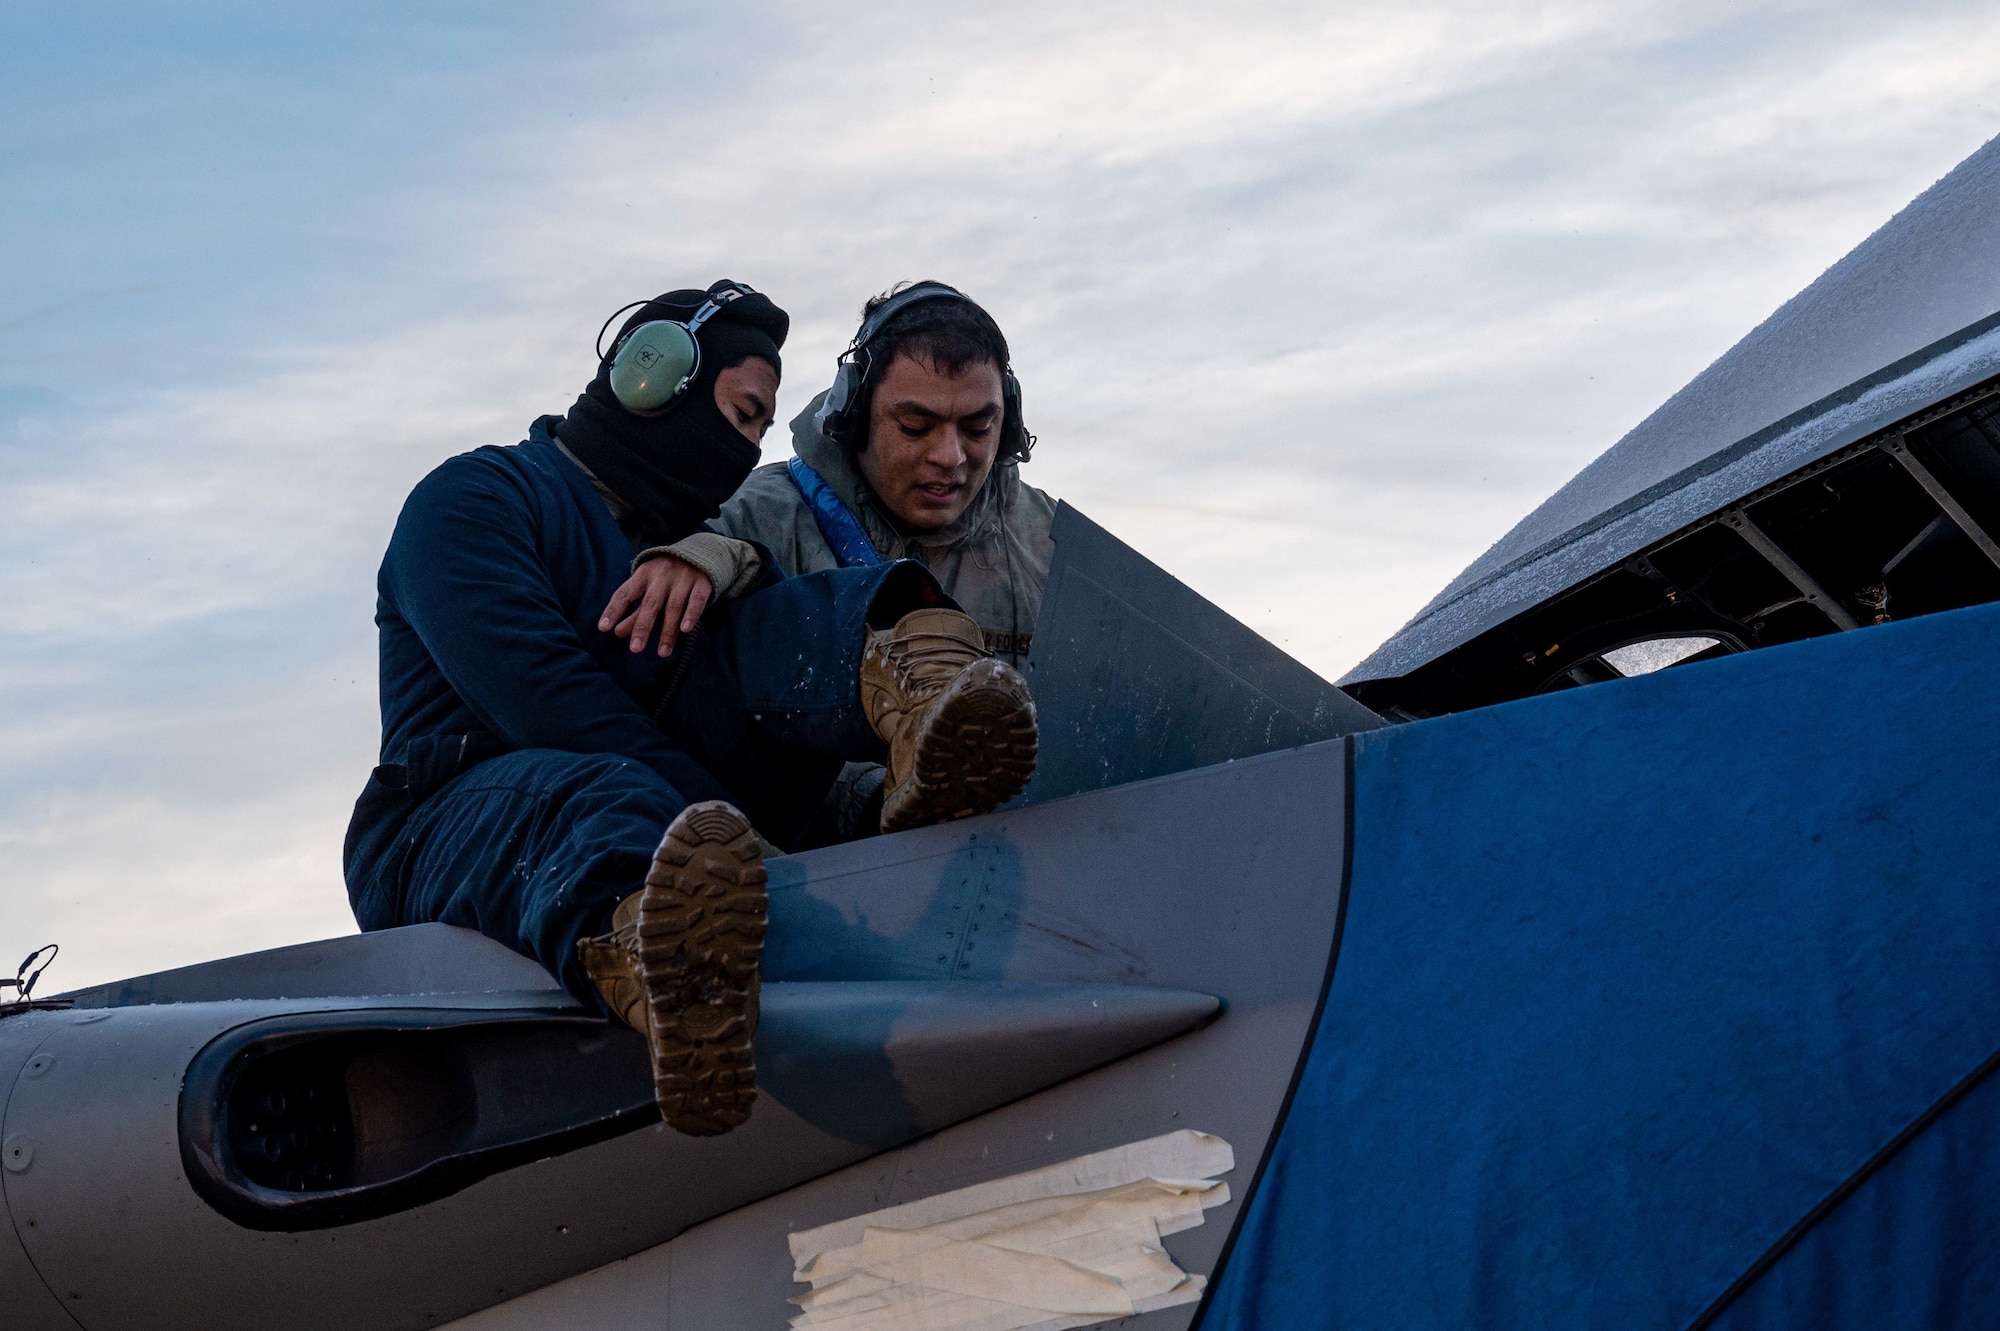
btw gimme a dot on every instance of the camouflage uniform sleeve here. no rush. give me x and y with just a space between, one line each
733 567
768 510
754 540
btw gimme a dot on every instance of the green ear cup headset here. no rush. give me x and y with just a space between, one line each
652 365
843 416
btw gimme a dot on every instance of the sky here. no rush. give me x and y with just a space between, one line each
1310 304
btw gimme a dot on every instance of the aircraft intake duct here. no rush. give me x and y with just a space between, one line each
324 1118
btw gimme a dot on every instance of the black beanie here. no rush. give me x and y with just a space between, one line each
676 469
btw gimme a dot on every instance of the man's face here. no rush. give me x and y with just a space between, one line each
747 396
931 440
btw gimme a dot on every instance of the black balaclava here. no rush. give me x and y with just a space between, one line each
675 470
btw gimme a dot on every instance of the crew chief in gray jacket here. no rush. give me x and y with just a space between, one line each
913 453
920 461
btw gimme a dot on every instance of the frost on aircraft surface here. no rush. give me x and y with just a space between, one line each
1838 467
417 1126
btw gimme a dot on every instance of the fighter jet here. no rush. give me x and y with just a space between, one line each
1618 945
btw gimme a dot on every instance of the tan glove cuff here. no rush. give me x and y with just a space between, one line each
732 565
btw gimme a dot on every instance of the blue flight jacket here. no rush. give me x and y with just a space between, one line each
487 605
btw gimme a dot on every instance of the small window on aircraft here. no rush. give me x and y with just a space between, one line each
1643 658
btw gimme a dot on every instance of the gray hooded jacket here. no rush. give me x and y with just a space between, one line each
993 561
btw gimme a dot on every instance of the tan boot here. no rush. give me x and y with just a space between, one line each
960 725
680 967
612 962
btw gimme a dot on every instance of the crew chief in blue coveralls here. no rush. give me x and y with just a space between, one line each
529 762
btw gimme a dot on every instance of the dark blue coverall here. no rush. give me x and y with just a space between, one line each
524 780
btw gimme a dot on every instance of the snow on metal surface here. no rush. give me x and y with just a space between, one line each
1905 318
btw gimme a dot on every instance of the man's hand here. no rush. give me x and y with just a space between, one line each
664 590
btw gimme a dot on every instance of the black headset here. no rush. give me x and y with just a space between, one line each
843 416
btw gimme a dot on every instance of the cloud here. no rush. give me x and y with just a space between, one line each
1310 306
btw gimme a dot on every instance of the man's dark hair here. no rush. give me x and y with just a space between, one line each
953 335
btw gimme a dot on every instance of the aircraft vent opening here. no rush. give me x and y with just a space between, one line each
326 1118
346 1111
1901 524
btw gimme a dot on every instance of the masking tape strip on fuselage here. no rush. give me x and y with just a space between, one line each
1064 1246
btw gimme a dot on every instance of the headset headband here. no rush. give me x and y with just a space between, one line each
715 302
872 326
709 308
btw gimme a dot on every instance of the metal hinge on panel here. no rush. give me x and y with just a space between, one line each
1741 523
1898 447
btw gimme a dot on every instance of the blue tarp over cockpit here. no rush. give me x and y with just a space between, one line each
1660 1003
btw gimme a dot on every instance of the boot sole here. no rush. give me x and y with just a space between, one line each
976 751
701 934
